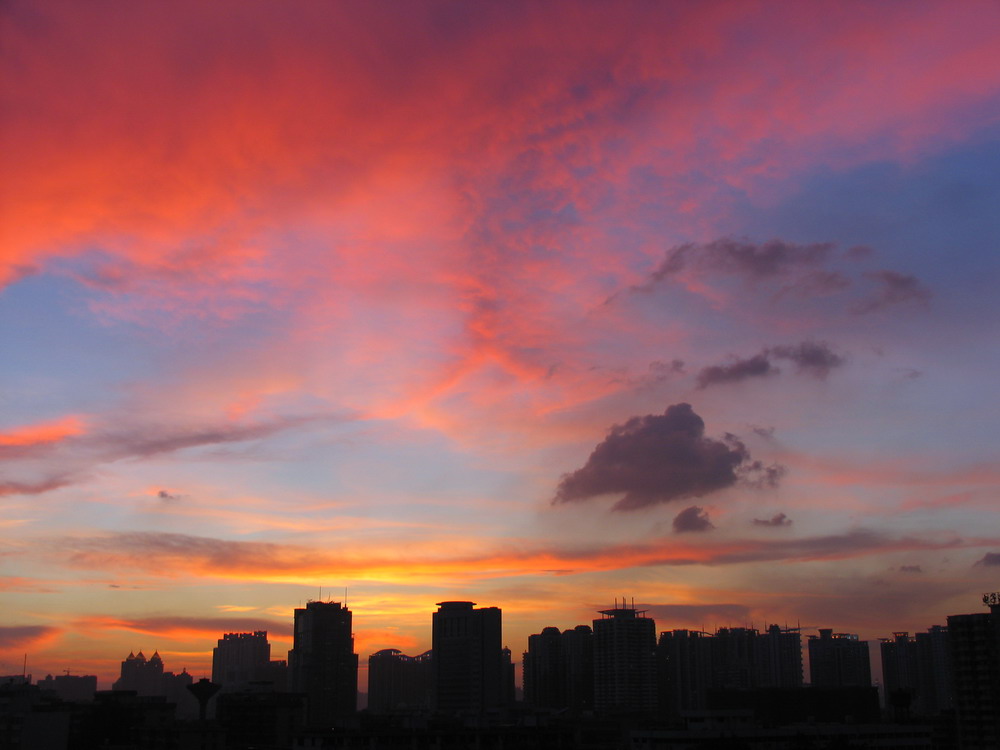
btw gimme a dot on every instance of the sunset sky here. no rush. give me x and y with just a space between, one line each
535 304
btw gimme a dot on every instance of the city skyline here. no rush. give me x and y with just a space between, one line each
549 302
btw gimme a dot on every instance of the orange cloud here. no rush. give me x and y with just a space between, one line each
174 555
43 433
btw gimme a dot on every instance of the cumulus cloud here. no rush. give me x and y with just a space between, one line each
692 519
779 519
659 458
814 358
893 289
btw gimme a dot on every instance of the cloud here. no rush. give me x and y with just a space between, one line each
184 556
910 569
668 616
692 519
743 258
990 559
167 497
185 627
779 519
741 369
658 459
893 289
37 487
815 358
24 636
50 459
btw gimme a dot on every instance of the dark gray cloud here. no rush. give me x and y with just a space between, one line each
990 559
660 458
779 519
910 569
167 497
692 519
741 369
743 258
893 289
814 358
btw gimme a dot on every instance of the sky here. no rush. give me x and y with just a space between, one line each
537 305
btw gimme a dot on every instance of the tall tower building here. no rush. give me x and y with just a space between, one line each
241 658
624 661
322 663
839 660
468 664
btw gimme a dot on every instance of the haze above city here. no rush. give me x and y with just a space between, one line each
537 305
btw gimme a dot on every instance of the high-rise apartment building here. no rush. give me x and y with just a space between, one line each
559 669
624 661
975 648
470 672
322 663
241 658
397 682
838 660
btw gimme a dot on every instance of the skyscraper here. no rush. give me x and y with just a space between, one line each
624 661
241 658
322 662
469 664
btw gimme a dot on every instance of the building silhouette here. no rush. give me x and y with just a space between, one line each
71 687
975 649
399 683
471 672
241 658
692 663
559 669
624 661
322 663
917 673
838 660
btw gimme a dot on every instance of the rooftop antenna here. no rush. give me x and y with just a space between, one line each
24 666
345 597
